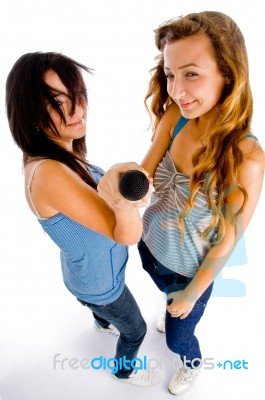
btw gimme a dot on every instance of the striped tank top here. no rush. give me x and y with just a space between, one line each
161 232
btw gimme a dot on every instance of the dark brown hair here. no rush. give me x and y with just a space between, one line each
27 96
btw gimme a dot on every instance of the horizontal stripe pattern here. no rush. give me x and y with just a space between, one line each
162 234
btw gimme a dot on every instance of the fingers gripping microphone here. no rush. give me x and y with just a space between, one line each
133 185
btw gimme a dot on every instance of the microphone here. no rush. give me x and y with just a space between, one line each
133 185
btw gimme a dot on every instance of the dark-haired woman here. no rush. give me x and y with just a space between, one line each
47 111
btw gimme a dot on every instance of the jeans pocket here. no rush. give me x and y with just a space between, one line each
200 303
203 300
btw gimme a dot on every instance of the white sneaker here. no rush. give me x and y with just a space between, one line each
182 380
161 323
141 377
111 330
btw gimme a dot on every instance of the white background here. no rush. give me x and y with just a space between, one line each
39 317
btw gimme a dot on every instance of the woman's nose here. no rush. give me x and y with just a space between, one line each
178 91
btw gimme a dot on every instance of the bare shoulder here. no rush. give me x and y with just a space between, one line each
173 109
161 139
251 171
167 123
172 115
254 156
47 168
52 178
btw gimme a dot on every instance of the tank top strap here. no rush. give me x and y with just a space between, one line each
32 172
249 135
180 124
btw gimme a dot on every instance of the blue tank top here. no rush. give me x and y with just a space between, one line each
93 266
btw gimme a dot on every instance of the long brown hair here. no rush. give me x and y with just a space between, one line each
27 96
216 164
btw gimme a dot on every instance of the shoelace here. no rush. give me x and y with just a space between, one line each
183 377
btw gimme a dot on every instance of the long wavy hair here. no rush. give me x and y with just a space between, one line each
27 96
216 164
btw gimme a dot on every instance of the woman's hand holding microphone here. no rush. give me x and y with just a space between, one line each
126 186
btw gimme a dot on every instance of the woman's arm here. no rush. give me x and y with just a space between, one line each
56 188
251 177
161 139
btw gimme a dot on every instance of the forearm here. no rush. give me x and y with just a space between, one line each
217 257
208 271
128 228
238 210
213 263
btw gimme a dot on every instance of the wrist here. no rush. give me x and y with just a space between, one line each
191 293
119 210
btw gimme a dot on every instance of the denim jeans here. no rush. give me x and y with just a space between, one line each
125 315
180 335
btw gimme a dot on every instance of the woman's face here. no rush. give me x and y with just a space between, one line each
193 79
75 126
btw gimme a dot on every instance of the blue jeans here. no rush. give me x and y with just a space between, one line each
179 332
125 315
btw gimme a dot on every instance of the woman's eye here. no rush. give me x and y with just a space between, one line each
59 102
191 74
169 76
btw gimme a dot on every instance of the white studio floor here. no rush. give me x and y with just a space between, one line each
41 319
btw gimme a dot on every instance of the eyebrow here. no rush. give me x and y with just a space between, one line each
56 92
184 66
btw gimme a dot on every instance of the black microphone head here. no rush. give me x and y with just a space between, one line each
133 185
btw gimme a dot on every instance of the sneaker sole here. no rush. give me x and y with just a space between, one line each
131 382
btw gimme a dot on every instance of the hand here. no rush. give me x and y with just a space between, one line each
178 306
109 191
